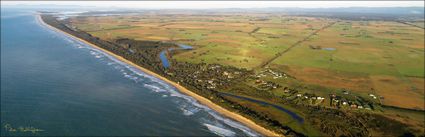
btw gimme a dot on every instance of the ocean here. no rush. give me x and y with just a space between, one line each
53 85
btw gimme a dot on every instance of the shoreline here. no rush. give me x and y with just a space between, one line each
232 115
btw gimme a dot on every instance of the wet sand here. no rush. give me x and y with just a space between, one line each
182 89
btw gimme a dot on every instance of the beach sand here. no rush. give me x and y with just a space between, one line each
182 89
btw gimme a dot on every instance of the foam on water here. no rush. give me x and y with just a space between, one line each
234 124
154 88
187 104
188 109
220 131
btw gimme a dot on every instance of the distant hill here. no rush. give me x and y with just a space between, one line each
352 13
374 10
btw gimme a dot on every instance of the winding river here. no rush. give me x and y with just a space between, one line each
166 64
61 86
163 54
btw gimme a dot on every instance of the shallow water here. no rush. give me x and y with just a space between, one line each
64 87
329 49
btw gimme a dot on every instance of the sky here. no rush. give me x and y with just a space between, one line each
225 4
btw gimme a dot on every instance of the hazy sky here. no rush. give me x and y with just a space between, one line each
227 4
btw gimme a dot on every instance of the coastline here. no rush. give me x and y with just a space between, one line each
232 115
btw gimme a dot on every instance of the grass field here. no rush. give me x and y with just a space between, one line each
386 58
239 40
383 58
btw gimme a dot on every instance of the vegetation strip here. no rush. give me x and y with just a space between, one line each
182 89
342 104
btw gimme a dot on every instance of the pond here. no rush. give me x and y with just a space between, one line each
329 49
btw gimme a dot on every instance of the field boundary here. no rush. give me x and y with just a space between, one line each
410 24
293 45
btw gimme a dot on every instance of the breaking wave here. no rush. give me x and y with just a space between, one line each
220 131
215 123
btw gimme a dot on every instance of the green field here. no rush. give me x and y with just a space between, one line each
383 58
241 41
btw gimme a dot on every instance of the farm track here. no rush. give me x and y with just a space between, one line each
413 25
254 31
129 27
293 45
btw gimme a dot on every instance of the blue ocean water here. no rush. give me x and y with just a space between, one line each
61 86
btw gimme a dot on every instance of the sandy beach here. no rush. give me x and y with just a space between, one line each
182 89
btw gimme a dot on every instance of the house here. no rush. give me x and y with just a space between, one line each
225 73
367 107
373 96
286 90
257 81
210 81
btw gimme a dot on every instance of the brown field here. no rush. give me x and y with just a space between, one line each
330 78
367 57
227 38
381 57
398 92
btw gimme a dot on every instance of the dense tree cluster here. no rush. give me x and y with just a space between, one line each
340 123
209 79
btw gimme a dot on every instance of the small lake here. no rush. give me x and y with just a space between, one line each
329 49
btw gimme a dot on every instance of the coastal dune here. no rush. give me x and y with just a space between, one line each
202 100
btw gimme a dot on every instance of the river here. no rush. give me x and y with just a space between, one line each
163 54
62 87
